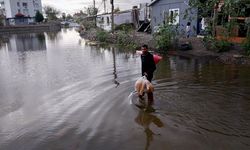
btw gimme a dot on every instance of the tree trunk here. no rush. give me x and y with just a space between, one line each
214 22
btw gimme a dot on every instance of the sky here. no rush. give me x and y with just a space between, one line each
72 6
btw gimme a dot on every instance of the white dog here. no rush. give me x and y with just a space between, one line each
141 84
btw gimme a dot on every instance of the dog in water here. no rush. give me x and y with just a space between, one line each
141 85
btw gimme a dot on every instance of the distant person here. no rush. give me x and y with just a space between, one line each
188 29
148 65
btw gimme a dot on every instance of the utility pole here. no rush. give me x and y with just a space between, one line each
94 12
104 2
112 15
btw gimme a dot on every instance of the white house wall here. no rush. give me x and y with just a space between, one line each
122 18
118 20
11 7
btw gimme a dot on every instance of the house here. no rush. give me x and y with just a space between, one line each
133 16
27 8
175 12
121 17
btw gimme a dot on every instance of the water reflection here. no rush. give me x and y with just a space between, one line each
71 86
54 36
3 41
145 119
114 62
26 42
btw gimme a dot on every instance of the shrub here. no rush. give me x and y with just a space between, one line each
223 45
209 42
88 24
246 46
166 37
102 36
122 38
217 45
127 27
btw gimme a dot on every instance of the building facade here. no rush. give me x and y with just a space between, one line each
175 12
26 7
104 20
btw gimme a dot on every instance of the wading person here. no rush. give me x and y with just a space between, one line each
147 69
147 63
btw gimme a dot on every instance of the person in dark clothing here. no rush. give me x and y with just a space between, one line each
148 64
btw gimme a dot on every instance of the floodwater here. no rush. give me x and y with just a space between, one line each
59 92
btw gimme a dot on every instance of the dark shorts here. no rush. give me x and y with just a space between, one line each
150 77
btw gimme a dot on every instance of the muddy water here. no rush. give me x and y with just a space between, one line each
59 92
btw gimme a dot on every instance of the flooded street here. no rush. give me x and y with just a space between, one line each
59 92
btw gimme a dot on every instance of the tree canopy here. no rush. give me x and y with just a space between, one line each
91 11
51 12
39 17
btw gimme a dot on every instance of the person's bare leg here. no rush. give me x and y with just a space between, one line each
150 98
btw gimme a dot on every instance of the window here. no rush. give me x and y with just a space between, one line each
25 5
107 20
18 4
2 4
19 11
174 16
36 5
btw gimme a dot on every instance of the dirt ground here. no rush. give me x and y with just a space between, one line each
198 47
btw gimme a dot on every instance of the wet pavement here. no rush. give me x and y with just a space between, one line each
59 92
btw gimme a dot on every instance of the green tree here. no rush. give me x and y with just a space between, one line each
69 17
39 17
117 9
218 13
63 16
51 12
91 11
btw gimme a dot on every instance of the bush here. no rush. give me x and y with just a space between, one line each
222 46
124 40
246 46
127 27
102 36
88 24
217 45
209 42
166 37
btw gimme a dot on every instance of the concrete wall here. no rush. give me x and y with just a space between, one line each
29 28
158 9
122 18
